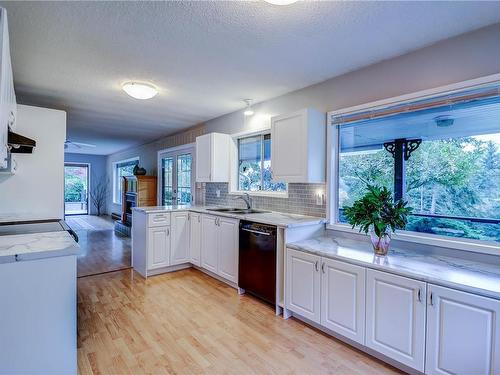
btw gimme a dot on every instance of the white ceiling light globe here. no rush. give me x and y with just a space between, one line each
140 90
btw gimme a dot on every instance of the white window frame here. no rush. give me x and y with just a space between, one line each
189 148
477 246
117 200
234 167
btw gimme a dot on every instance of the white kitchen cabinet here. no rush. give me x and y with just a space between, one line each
158 247
395 317
179 250
298 147
212 157
343 299
195 238
463 333
209 242
8 106
303 294
228 248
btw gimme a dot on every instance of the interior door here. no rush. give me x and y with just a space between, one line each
177 177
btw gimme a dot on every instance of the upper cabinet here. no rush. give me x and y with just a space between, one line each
212 157
298 147
7 96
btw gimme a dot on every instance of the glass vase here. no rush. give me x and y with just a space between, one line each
380 243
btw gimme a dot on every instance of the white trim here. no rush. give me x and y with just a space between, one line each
115 163
233 167
189 148
477 246
466 244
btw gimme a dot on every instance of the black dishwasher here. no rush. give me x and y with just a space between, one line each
257 260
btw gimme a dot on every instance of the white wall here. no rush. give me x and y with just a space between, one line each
37 189
457 59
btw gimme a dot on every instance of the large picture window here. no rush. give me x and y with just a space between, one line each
122 169
254 165
444 160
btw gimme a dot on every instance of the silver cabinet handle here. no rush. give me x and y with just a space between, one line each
419 295
189 216
199 218
168 232
431 302
323 267
256 231
316 265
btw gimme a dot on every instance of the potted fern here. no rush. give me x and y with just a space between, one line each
376 213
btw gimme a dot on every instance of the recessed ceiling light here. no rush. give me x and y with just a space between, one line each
248 110
139 90
280 2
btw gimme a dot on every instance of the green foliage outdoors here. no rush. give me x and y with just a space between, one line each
377 209
455 177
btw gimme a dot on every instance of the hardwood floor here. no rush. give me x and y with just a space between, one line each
189 323
102 250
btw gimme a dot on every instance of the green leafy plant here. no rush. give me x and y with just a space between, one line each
377 208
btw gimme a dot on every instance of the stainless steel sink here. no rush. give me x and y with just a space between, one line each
239 211
222 209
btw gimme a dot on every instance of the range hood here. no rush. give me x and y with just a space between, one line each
20 144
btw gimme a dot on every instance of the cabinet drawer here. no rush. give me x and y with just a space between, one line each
158 219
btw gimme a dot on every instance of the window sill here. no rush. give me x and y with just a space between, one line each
270 194
475 246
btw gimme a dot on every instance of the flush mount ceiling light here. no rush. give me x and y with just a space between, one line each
248 110
280 2
139 90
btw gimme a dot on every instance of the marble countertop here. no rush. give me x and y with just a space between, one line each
279 219
16 217
32 246
457 273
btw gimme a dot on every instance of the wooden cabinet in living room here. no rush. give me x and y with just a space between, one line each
303 295
395 317
195 238
463 333
179 252
298 147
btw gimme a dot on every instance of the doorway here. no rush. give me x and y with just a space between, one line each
76 189
176 185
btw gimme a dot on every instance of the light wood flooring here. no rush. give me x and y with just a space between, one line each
186 322
102 250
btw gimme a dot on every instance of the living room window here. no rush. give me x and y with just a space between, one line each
254 173
440 154
122 169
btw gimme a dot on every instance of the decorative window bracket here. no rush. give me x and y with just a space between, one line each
408 146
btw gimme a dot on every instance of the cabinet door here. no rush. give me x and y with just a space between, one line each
303 283
227 245
158 247
395 317
195 238
203 158
343 299
209 243
289 147
180 238
462 333
4 88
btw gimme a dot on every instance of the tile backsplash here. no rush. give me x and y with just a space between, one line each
301 199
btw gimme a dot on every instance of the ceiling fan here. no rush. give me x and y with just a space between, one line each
68 143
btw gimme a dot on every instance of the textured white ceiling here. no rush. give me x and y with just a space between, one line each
205 56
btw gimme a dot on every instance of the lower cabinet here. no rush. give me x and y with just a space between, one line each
463 333
227 263
395 317
219 246
195 238
209 242
343 299
303 284
179 252
158 247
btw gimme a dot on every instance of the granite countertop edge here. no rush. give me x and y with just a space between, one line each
464 267
280 219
